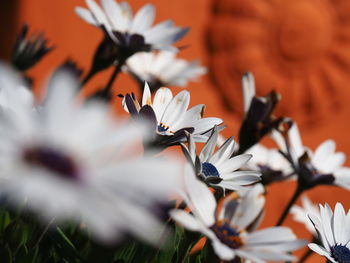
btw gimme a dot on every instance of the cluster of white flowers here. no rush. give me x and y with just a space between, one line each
66 160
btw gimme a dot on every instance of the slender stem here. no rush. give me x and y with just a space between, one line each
105 94
115 73
294 198
305 256
88 77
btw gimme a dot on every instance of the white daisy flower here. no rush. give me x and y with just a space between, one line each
66 163
171 116
272 165
163 69
131 33
229 229
220 169
334 232
300 213
323 166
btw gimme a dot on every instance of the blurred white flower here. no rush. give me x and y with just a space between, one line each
323 166
67 162
15 96
170 115
300 214
220 169
232 229
163 69
131 33
272 165
334 232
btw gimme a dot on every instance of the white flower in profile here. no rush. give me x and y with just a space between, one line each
163 69
232 229
334 232
323 166
220 168
300 213
131 33
272 165
258 114
171 116
67 162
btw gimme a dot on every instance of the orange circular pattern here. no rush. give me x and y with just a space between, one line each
300 48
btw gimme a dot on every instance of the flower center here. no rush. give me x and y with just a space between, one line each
52 160
226 234
162 127
340 253
209 170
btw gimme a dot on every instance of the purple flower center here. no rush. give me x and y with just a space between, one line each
209 170
226 234
340 253
52 160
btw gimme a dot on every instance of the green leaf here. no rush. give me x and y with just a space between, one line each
5 254
65 237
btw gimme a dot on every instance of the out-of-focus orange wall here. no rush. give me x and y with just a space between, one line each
75 39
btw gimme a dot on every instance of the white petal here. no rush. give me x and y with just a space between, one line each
98 14
223 153
185 219
143 20
113 11
209 147
340 236
251 206
270 235
146 97
326 218
297 148
321 251
161 100
233 163
269 255
322 152
248 176
342 177
203 201
86 15
205 124
191 116
248 85
223 251
176 110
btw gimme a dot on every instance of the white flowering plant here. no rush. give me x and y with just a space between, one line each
81 184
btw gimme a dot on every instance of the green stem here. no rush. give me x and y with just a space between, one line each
43 232
294 198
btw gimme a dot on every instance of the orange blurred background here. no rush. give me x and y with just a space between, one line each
299 47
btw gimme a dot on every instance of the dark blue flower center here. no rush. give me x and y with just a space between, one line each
340 253
162 127
52 160
209 170
227 234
